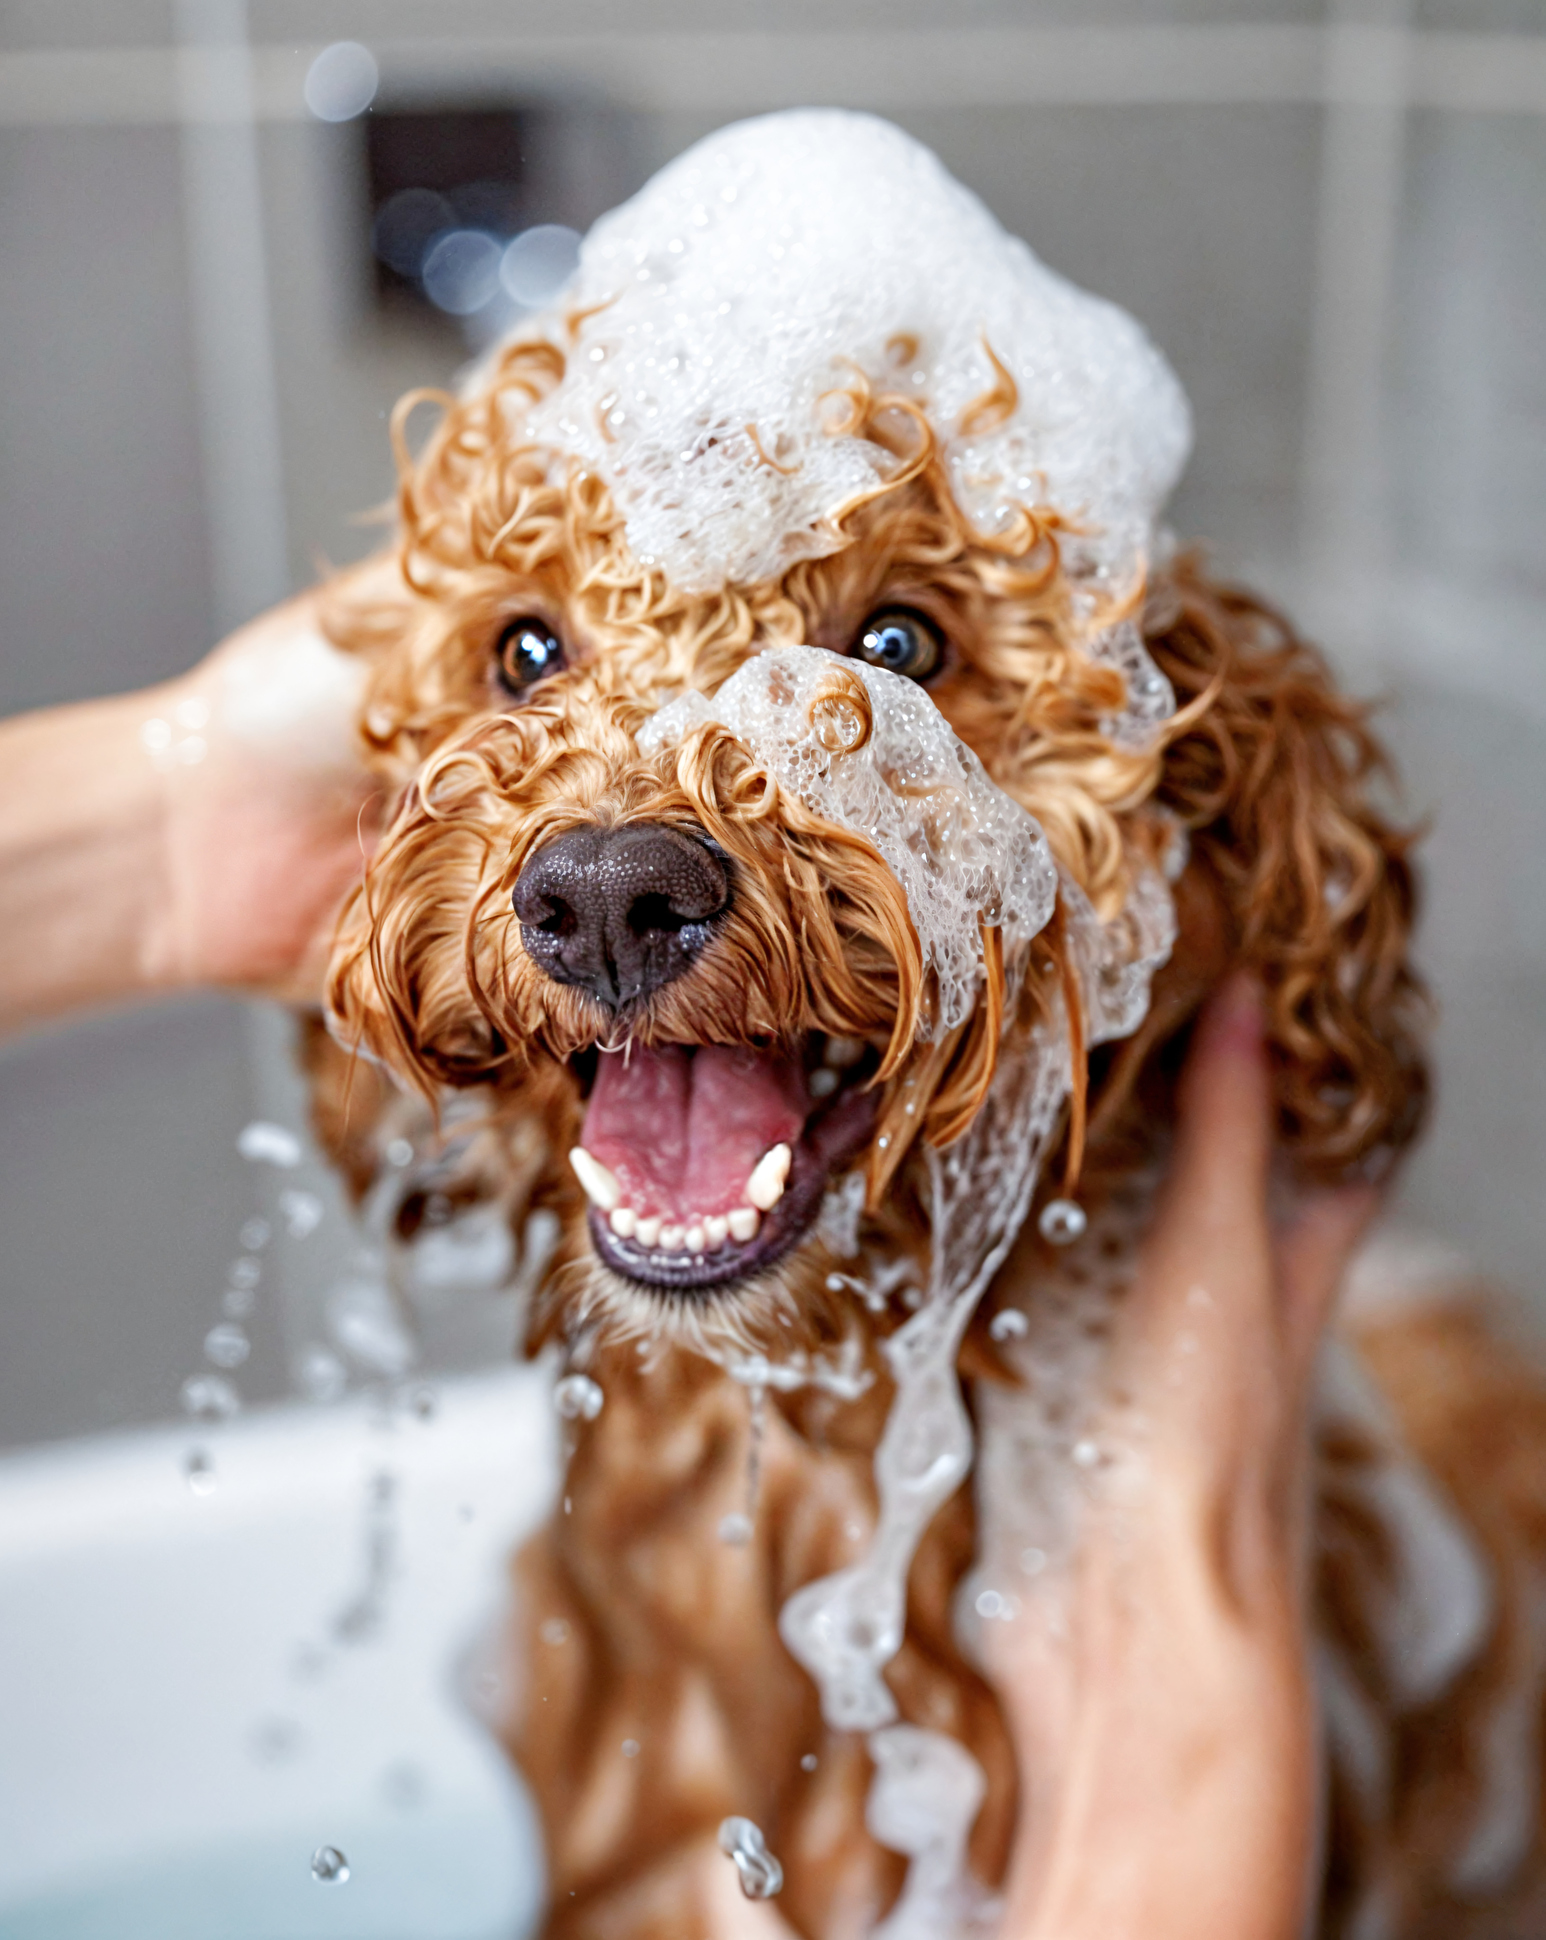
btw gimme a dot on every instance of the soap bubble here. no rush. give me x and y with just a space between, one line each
342 81
578 1398
761 1875
226 1344
809 1762
405 227
1009 1324
461 272
537 265
630 1747
254 1234
554 1631
244 1272
328 1866
1061 1222
210 1397
735 1530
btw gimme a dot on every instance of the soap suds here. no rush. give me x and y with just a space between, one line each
734 295
965 853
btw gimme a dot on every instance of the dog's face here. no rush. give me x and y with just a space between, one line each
717 995
683 965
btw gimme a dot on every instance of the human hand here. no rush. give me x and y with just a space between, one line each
266 830
201 832
1158 1689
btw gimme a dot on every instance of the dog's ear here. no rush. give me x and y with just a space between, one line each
397 991
1274 773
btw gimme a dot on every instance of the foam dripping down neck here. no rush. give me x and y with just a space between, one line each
965 854
726 307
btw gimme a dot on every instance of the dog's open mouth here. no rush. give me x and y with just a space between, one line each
705 1163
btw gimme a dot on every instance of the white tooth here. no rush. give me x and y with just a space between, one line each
743 1223
648 1231
765 1187
844 1051
671 1238
601 1189
823 1083
696 1238
624 1221
717 1229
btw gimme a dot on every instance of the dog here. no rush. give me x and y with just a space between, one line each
819 807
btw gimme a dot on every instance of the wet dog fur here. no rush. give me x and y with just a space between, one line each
635 1622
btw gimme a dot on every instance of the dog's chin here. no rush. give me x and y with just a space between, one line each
684 1146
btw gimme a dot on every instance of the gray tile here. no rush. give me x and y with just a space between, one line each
120 1200
1467 384
102 547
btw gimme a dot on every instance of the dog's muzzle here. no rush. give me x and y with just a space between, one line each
620 911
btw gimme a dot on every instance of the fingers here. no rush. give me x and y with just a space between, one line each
1313 1257
1224 1128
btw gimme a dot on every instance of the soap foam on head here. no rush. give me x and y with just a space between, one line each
736 292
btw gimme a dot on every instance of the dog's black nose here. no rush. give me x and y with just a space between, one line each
620 911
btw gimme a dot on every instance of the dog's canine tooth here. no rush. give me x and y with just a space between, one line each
601 1188
743 1223
717 1229
671 1238
695 1238
765 1186
823 1083
841 1052
624 1221
647 1232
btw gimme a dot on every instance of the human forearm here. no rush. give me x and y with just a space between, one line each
201 832
82 858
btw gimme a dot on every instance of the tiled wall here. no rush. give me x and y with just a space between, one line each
1350 292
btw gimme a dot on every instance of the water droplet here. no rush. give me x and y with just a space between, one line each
226 1344
1009 1324
1086 1454
199 1472
1033 1561
237 1303
244 1272
320 1374
302 1213
809 1762
761 1874
736 1530
1061 1222
630 1747
210 1397
328 1866
578 1398
399 1152
993 1603
254 1235
268 1144
554 1631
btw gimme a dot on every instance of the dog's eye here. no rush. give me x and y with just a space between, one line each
527 651
901 641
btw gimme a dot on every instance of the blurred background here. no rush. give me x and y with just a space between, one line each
233 235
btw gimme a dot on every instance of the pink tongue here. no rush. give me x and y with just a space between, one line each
681 1128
